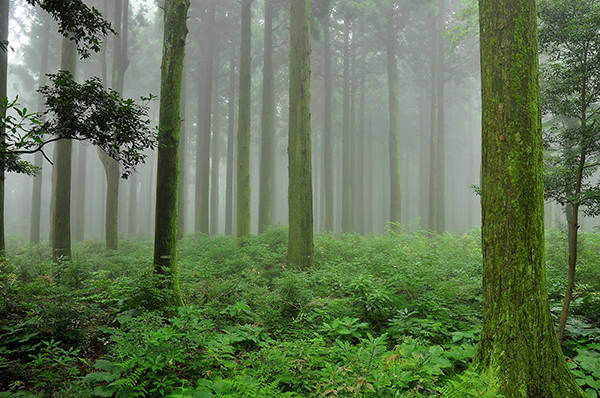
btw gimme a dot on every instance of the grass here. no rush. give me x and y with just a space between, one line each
395 315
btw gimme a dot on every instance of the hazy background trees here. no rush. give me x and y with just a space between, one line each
437 109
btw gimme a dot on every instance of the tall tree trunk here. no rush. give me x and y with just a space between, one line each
518 347
346 136
230 147
132 229
441 167
4 12
327 130
61 212
243 136
394 110
204 127
266 134
433 126
182 188
165 235
215 170
300 245
360 209
36 200
79 194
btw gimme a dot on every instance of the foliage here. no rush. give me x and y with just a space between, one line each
77 21
379 316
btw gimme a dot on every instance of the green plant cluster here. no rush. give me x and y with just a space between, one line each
396 315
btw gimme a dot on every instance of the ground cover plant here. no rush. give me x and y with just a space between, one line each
395 315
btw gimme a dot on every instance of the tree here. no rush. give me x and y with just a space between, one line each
243 135
300 243
569 37
204 127
394 135
518 348
266 133
165 235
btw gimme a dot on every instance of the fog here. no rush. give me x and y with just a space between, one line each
437 59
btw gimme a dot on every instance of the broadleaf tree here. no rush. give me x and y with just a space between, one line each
570 93
518 348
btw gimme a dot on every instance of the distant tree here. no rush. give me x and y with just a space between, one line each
300 199
346 132
266 133
243 135
518 348
570 94
165 235
204 126
229 197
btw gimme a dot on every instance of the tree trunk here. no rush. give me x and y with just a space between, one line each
394 137
182 188
266 135
518 347
300 246
327 130
36 200
346 138
215 170
61 212
243 137
165 235
4 12
204 128
79 194
230 147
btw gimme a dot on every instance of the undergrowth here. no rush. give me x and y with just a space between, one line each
396 315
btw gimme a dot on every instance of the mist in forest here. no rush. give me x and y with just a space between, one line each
436 55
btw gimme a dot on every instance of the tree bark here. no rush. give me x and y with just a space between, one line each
204 129
36 200
518 347
230 147
4 13
394 132
266 135
346 136
300 244
165 235
182 187
243 136
61 212
215 170
327 130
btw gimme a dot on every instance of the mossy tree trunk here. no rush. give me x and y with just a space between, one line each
181 190
518 347
327 129
4 13
165 235
300 200
243 135
266 134
394 131
61 209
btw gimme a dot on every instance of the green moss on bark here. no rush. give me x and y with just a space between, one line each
518 345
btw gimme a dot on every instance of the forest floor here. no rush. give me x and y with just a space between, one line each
396 315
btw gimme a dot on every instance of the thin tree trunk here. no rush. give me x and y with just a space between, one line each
79 194
182 188
394 137
204 131
36 200
215 170
230 147
243 137
266 136
346 138
327 130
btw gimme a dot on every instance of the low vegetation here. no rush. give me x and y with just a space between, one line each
379 316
